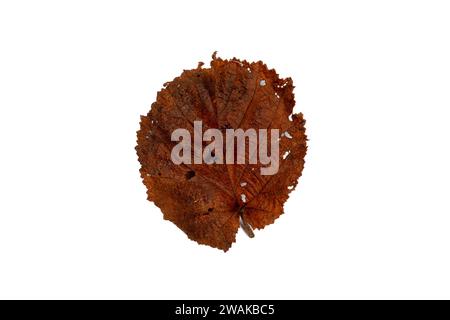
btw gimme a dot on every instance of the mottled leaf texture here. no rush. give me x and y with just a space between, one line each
210 202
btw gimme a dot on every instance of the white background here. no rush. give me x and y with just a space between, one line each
369 219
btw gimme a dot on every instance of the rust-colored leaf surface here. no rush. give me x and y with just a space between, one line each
209 202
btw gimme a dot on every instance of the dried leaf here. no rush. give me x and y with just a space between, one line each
210 201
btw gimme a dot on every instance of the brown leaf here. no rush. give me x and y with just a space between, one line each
209 202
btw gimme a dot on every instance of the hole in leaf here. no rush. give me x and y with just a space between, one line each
190 174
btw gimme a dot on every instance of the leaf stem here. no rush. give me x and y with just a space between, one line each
244 225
